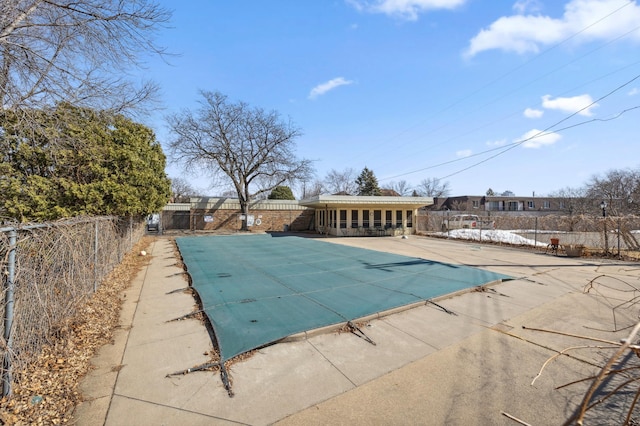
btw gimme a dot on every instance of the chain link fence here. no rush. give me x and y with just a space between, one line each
611 235
48 270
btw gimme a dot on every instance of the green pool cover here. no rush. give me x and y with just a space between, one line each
257 289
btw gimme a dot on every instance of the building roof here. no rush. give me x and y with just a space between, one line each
224 203
321 201
177 207
389 192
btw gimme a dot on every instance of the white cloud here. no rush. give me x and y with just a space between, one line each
536 138
501 142
571 105
533 113
523 6
404 9
323 88
527 33
635 91
464 153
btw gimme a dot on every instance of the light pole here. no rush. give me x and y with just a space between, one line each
603 206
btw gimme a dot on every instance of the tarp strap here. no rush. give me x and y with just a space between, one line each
355 330
200 367
185 316
441 307
224 375
180 290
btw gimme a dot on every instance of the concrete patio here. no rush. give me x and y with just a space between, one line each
471 365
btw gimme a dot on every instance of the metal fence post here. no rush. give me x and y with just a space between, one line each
8 313
606 238
619 236
448 222
95 255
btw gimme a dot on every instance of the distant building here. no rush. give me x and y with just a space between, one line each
486 203
389 192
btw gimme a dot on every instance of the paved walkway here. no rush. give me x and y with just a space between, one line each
427 367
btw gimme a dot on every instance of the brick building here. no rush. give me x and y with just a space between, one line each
340 215
224 214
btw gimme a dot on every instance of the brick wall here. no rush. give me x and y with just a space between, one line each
269 220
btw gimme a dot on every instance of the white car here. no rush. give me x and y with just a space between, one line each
153 222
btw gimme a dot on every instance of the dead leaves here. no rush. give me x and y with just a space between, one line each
47 391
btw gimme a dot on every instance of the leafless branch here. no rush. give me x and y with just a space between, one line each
77 52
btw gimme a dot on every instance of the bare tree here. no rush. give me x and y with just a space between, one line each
181 190
572 201
432 187
311 188
343 182
459 206
620 189
76 51
229 194
401 187
252 148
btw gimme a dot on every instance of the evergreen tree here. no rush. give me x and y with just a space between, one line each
367 183
70 161
281 193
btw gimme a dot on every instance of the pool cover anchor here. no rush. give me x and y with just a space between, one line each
355 330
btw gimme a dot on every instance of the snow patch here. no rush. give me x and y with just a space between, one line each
494 236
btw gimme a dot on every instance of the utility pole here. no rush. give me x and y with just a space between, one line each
603 206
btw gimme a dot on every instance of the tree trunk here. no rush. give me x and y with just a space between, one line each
244 206
4 77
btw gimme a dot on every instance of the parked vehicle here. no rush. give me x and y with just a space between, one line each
467 221
153 222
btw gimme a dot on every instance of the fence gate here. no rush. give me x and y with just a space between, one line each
176 219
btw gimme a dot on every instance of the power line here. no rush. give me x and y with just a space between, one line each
527 84
514 70
540 133
537 79
487 124
544 132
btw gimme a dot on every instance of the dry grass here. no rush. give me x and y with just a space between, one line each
46 391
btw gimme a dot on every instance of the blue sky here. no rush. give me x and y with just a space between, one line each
419 89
